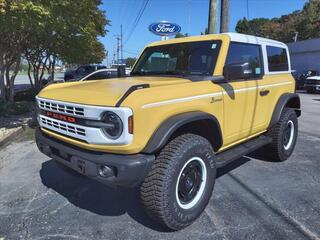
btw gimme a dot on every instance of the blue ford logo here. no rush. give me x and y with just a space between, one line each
164 28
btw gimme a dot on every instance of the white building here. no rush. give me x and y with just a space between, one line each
305 55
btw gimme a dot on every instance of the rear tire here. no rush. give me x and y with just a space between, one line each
178 187
284 136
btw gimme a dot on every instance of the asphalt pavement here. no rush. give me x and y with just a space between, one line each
252 199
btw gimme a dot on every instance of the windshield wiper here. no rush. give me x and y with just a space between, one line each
180 73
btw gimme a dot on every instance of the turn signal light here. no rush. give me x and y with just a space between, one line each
130 124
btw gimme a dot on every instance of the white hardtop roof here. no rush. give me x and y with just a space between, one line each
238 37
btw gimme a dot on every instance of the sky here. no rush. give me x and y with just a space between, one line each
191 15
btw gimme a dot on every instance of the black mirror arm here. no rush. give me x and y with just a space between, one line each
219 79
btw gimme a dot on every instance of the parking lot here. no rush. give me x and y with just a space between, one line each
252 199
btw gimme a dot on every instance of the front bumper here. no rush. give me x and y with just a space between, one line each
312 87
121 170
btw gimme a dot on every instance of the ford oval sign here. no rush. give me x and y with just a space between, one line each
164 28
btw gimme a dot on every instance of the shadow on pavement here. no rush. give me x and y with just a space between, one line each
231 166
95 197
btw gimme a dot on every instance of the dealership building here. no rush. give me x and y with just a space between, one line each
305 55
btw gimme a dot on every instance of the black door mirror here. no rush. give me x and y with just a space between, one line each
121 71
236 71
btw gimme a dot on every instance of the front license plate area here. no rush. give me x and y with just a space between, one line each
81 166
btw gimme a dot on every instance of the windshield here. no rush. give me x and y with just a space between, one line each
191 58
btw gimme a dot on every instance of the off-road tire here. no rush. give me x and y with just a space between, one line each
158 191
275 151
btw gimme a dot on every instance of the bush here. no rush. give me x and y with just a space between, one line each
15 108
25 95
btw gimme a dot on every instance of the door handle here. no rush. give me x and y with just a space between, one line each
264 92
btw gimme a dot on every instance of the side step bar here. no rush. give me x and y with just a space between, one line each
234 153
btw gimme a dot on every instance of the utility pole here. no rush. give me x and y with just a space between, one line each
119 38
107 56
224 18
121 46
118 47
114 55
213 16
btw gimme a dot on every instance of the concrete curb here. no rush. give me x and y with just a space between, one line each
9 137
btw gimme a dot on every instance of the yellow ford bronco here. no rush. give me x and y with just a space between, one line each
190 106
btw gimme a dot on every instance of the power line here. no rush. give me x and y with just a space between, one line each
248 17
136 21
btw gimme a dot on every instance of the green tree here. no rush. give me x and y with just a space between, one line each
305 22
130 61
253 27
14 23
43 31
70 32
310 23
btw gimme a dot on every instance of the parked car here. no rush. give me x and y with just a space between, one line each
81 71
191 105
101 74
312 84
296 77
300 82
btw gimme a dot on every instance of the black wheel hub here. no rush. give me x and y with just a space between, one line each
189 182
287 135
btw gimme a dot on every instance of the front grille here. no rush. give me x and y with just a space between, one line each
62 127
312 82
61 108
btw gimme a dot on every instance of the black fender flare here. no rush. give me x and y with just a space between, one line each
291 100
167 128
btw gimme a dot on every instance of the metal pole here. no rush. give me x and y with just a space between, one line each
118 48
224 19
121 37
213 15
296 36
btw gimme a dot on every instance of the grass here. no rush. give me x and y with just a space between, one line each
15 108
26 135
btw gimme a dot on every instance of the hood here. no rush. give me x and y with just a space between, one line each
102 92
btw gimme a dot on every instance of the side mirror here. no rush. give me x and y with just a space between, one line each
121 71
236 71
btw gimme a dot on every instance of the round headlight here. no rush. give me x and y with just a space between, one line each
115 128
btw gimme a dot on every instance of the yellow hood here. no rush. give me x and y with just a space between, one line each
102 92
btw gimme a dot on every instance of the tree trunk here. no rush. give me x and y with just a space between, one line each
29 74
2 83
36 77
53 66
43 63
11 79
2 86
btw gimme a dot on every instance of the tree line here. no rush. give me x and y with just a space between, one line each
299 25
40 32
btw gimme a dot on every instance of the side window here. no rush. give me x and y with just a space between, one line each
81 70
250 53
160 62
277 59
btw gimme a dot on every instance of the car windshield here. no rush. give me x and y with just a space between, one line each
191 58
